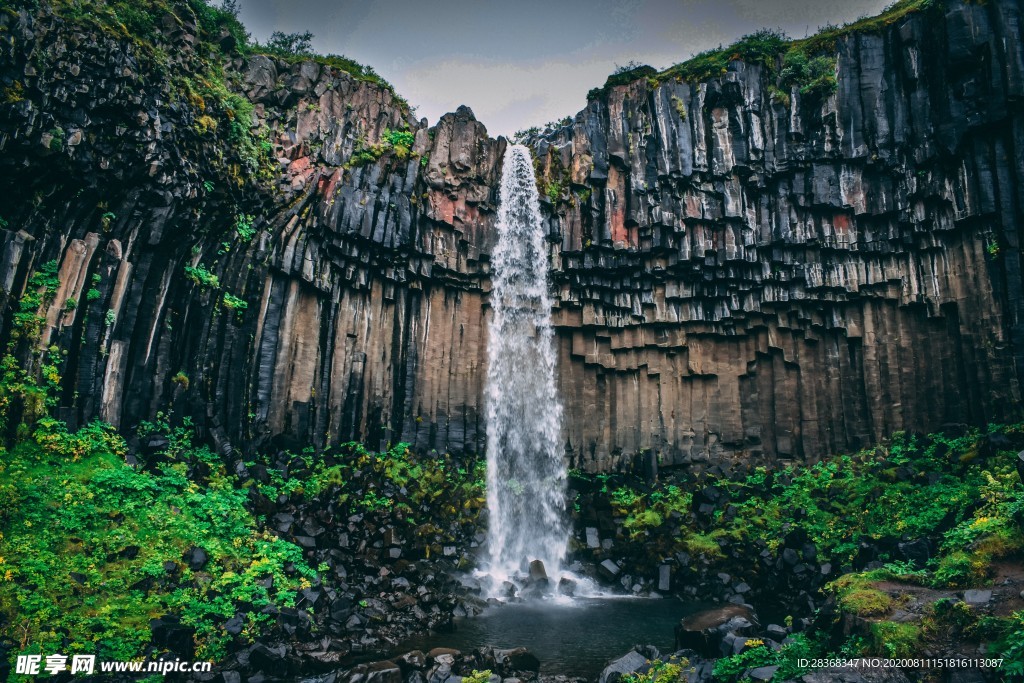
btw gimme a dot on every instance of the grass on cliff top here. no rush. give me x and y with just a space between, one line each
768 47
141 21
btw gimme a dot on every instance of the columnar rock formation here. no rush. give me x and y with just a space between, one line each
738 273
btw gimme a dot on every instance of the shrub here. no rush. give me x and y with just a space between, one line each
233 303
398 142
201 276
291 43
673 670
477 676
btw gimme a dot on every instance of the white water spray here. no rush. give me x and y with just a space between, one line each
526 475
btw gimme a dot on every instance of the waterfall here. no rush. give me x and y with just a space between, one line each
526 475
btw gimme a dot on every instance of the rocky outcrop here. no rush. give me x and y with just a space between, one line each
737 275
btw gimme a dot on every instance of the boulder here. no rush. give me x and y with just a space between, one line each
665 578
703 631
977 597
517 659
629 663
608 570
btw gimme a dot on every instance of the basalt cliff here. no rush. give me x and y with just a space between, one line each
740 269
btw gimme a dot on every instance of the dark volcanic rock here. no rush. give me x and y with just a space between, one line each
705 631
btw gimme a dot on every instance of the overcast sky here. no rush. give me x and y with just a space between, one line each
523 63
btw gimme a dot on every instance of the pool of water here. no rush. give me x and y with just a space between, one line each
576 639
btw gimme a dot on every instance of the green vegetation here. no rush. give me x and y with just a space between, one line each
41 291
200 82
201 276
672 671
233 303
936 487
856 594
91 544
397 142
621 76
757 653
812 75
553 190
645 512
477 676
440 482
961 492
808 64
762 47
57 139
13 93
92 548
244 228
291 43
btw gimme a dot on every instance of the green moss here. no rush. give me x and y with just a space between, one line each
703 545
856 594
891 639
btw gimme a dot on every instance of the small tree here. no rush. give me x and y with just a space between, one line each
232 7
294 43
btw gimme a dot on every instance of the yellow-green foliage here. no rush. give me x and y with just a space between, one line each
704 545
477 676
891 639
673 670
397 142
856 594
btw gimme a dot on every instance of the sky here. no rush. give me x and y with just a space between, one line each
524 63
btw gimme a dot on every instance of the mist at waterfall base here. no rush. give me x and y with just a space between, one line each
526 475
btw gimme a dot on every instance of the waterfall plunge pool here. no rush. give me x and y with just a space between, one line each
578 638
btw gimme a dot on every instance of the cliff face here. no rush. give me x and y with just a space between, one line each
737 275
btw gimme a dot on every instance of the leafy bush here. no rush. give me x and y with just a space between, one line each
244 228
291 43
812 75
398 142
233 303
671 671
800 646
201 276
1010 646
477 676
